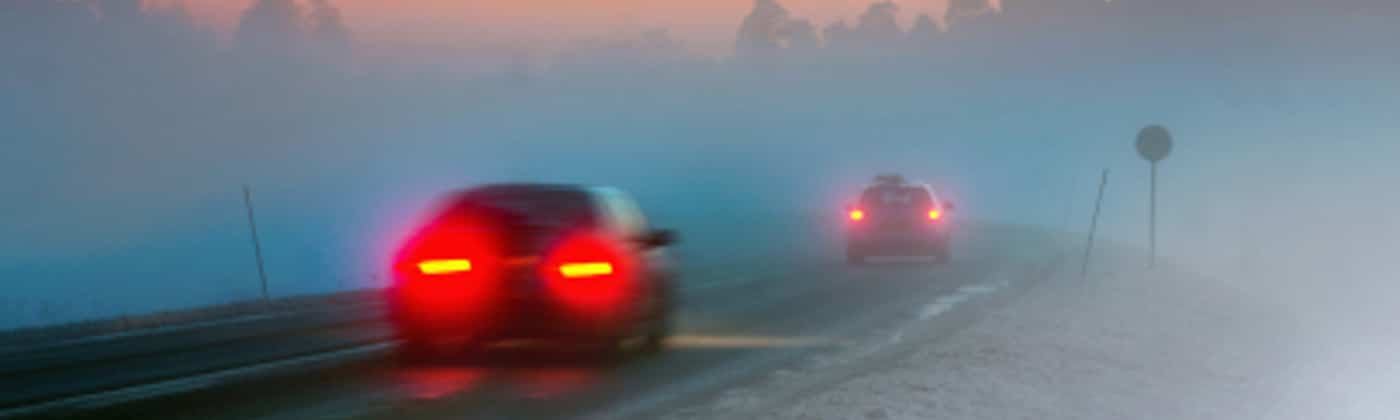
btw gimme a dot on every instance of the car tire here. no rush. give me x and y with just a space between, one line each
646 336
655 340
658 327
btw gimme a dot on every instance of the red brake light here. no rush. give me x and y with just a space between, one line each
446 250
585 269
449 271
444 267
857 215
591 273
935 214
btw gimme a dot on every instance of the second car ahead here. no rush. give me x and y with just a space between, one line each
533 261
896 218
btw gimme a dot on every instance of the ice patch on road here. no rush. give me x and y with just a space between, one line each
977 289
947 302
938 308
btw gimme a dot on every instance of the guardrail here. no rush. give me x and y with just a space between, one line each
66 371
41 376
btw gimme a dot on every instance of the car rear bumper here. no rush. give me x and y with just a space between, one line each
897 243
508 318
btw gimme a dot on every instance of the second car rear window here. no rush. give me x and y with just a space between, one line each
887 197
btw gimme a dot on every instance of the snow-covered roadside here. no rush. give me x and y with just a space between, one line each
1127 343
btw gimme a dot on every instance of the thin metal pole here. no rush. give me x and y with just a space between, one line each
1152 221
257 244
1093 226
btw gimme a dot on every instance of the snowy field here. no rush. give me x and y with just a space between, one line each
1125 343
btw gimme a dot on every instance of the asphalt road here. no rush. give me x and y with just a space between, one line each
733 328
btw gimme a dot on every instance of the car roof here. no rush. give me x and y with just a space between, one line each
520 187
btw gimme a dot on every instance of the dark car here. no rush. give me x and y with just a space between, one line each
893 217
537 262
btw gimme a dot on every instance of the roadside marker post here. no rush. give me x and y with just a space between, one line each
1093 227
257 244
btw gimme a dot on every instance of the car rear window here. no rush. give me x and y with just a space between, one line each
896 197
537 207
527 218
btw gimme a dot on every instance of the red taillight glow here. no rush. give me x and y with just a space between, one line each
857 215
447 251
442 267
935 214
448 270
590 273
585 269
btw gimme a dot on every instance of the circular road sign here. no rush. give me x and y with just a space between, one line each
1154 143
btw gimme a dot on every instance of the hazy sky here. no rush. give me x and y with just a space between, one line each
708 25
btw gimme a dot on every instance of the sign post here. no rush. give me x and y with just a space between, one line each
1154 143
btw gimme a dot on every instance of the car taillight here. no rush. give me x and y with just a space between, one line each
448 271
578 270
444 267
857 215
590 272
935 214
446 251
